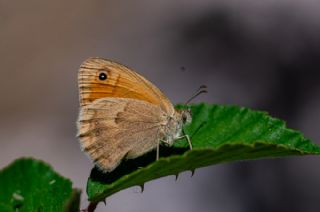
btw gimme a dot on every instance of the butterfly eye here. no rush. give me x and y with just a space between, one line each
102 76
186 116
184 119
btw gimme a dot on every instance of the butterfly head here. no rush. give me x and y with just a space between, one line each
186 116
183 117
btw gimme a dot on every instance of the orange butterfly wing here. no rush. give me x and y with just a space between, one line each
99 78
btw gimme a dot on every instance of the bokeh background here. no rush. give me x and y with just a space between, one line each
259 54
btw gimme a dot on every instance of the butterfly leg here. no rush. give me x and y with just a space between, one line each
158 147
188 139
158 150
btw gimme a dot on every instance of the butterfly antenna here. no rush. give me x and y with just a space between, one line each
201 89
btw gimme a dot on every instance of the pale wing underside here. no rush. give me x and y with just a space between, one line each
121 82
111 129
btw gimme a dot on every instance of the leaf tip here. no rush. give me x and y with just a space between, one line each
142 187
192 172
176 176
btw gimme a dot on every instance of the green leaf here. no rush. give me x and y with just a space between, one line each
32 185
219 134
5 208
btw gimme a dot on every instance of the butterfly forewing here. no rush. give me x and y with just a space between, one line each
119 82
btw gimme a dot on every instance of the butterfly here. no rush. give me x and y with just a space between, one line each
123 115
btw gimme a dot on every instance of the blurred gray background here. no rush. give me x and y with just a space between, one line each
259 54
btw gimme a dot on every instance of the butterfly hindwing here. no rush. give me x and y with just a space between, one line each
111 129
